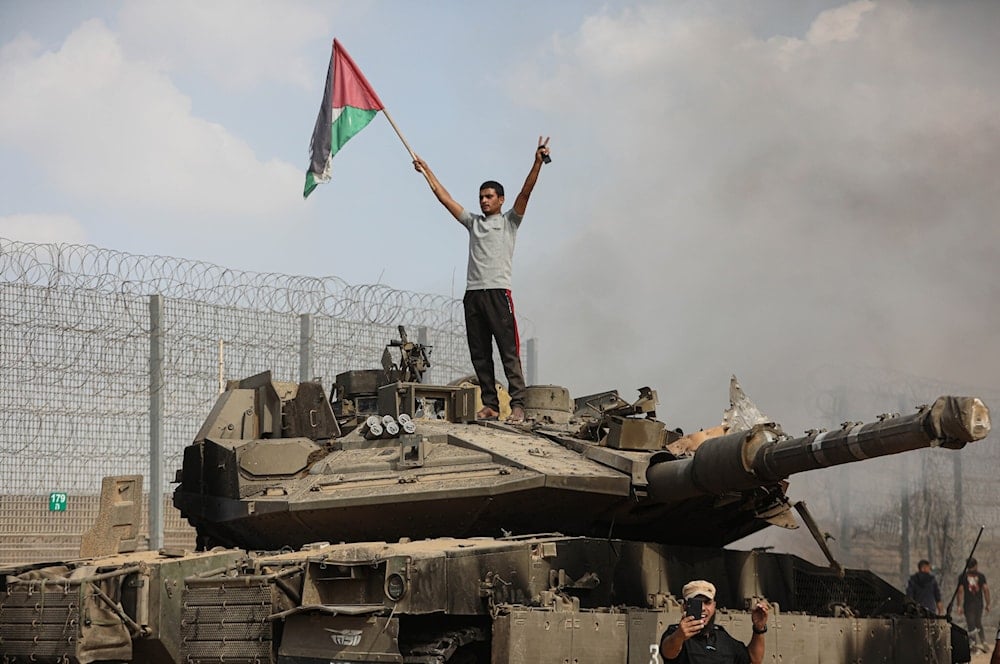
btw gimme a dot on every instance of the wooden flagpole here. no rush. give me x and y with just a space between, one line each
398 133
413 156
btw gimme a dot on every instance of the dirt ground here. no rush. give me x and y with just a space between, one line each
981 658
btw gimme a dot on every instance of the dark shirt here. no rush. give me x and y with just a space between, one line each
972 587
923 589
712 646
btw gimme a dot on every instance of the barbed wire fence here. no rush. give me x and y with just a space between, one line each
75 367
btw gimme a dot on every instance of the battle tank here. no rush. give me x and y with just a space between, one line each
566 539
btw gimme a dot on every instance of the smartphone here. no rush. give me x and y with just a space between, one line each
694 607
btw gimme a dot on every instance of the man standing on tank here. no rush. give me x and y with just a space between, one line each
973 597
489 308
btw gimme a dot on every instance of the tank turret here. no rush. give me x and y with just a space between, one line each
277 465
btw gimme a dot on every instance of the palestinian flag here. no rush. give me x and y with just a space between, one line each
349 104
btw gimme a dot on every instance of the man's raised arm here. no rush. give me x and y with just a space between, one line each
758 621
541 152
442 194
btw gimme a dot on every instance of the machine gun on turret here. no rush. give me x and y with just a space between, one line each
414 360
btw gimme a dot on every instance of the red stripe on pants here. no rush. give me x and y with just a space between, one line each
517 336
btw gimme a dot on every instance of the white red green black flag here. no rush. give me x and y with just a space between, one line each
349 104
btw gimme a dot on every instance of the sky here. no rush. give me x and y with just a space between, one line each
774 189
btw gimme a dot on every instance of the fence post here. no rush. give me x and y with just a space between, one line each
839 412
905 543
905 514
531 360
156 384
306 348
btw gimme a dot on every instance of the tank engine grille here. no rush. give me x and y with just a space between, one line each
225 620
830 595
40 625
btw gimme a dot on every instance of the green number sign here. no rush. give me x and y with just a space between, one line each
57 502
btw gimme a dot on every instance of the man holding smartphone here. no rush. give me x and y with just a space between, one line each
697 639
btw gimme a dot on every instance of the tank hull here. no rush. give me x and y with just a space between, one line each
503 600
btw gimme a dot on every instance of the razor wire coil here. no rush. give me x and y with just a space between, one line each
83 268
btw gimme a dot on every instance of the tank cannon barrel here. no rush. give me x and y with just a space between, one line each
760 456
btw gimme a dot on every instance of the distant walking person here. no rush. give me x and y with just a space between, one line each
973 597
923 588
489 309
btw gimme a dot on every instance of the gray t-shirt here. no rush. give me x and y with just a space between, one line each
491 248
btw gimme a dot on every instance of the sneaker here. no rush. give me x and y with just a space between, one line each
487 414
516 415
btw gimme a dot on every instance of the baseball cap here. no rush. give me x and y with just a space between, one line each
699 587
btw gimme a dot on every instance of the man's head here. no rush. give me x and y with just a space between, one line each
490 197
924 566
704 591
972 565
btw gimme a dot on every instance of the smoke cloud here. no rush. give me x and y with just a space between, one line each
767 204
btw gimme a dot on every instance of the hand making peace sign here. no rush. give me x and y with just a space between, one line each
542 151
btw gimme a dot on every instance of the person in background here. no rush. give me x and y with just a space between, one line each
973 597
923 588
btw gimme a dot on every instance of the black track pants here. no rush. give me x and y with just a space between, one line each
489 314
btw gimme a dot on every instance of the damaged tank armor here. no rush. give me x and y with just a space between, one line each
459 541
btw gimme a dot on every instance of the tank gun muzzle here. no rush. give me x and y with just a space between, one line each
762 455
